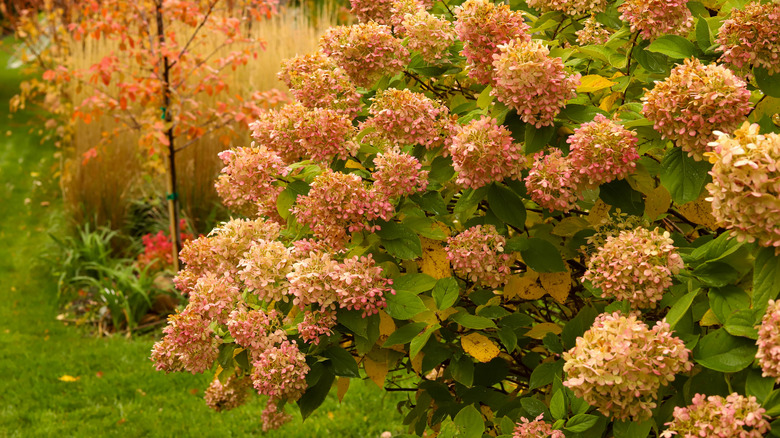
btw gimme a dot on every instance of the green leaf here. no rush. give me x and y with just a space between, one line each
414 283
537 138
472 321
225 357
703 35
343 363
420 340
772 403
441 171
534 407
683 176
485 99
715 249
315 395
769 84
407 248
544 374
766 279
581 422
577 326
727 300
285 201
679 308
405 334
619 193
553 343
424 226
558 405
542 256
404 305
716 274
720 351
742 323
446 293
431 202
758 385
632 429
470 422
507 206
470 198
353 320
673 46
462 370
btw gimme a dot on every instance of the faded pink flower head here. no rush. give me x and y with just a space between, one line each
484 152
593 33
188 344
619 365
745 187
246 182
695 101
264 269
602 151
653 18
316 323
398 174
635 265
569 7
280 371
428 35
213 298
272 417
751 37
530 81
735 416
359 284
407 118
769 341
256 329
229 395
478 255
552 182
386 11
535 429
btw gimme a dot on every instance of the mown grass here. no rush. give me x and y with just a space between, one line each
118 392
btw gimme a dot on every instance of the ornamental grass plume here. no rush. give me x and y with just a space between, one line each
407 118
366 51
751 37
569 7
769 341
483 152
593 33
635 265
339 203
619 365
229 395
654 18
398 174
535 429
428 35
745 187
483 26
478 255
530 81
735 416
695 101
552 182
280 371
602 151
245 184
264 270
317 82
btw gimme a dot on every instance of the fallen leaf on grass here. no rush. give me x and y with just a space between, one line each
67 378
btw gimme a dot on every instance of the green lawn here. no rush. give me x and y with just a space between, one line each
118 392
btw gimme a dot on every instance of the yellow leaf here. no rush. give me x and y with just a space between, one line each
591 83
352 164
709 319
524 287
479 347
417 363
599 213
342 385
557 284
376 370
67 378
699 212
540 330
569 226
386 326
657 202
607 102
434 260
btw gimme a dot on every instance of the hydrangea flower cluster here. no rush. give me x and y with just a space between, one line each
398 174
380 11
188 344
280 371
483 26
603 151
264 269
339 203
483 152
229 395
694 101
715 416
531 82
256 329
315 324
569 7
366 51
635 265
214 297
296 132
593 33
769 341
317 82
552 182
246 182
654 18
619 364
478 254
535 429
407 118
273 418
428 34
751 37
745 185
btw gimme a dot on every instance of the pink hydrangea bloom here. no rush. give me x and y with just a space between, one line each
317 82
339 203
602 151
316 323
310 280
593 33
484 152
359 284
280 371
483 26
694 101
751 37
366 51
213 298
256 330
735 416
653 18
535 429
478 254
745 185
398 174
552 182
264 269
769 341
428 34
569 7
272 417
531 82
619 365
188 344
406 118
229 395
246 182
388 12
296 132
635 265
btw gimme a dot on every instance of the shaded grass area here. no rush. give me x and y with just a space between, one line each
118 392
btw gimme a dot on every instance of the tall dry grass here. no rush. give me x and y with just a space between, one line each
102 189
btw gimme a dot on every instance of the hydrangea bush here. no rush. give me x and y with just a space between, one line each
539 219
